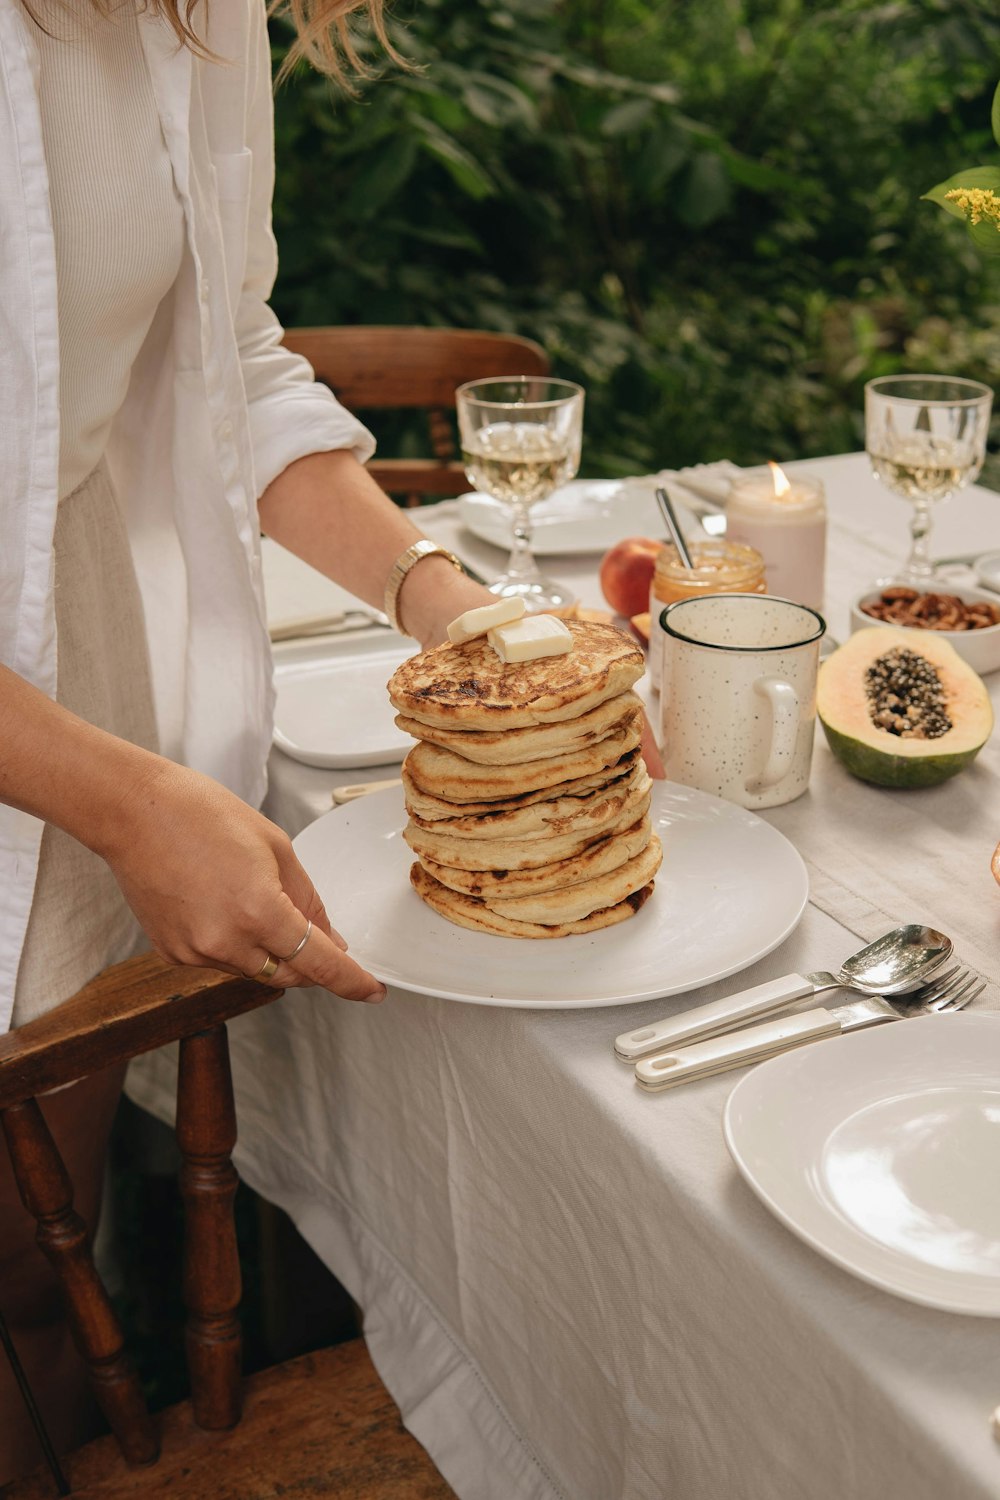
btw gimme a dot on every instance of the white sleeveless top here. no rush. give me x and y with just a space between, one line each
117 219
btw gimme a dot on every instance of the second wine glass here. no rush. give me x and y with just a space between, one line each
926 438
521 439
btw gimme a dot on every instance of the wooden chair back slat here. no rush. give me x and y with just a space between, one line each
373 368
206 1135
129 1009
47 1194
383 369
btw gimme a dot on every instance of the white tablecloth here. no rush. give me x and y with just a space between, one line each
567 1287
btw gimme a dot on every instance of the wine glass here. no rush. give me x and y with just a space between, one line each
521 439
925 436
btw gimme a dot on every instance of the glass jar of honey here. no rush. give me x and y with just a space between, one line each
720 567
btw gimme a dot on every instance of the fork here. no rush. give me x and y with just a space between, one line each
755 1043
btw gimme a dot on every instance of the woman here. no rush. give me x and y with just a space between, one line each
153 425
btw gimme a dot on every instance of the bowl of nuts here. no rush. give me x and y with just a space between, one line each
967 618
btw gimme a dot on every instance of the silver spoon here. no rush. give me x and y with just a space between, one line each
897 963
676 535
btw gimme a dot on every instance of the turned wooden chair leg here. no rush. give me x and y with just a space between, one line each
47 1194
206 1135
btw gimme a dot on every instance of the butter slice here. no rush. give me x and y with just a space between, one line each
479 621
530 638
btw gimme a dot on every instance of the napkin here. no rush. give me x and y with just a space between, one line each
302 602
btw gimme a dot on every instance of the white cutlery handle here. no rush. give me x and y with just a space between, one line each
720 1053
358 789
716 1016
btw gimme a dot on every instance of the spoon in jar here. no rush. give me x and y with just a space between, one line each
897 963
676 535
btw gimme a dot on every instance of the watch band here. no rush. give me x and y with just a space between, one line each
404 562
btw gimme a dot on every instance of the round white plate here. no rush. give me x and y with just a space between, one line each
586 515
880 1150
332 708
731 888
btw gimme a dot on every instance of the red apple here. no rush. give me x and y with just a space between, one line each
627 572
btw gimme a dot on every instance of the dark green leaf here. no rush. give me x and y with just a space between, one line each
382 178
465 171
703 191
627 118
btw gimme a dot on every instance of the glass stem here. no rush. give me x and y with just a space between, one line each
521 564
918 564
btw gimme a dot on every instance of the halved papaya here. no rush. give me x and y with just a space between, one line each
901 708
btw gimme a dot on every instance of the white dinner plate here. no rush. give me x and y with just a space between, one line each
880 1150
586 515
731 888
332 707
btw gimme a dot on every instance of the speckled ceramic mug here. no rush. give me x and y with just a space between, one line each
738 700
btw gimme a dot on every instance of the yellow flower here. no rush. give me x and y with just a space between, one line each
977 203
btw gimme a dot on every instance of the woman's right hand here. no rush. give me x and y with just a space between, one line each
211 881
215 883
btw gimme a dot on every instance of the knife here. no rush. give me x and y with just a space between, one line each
757 1043
719 1015
340 622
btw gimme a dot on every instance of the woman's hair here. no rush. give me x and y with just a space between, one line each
323 35
323 31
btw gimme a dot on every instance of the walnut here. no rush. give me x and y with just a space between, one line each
931 611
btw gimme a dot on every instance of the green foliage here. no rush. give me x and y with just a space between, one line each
706 210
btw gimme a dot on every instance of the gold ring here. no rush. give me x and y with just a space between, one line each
267 968
299 945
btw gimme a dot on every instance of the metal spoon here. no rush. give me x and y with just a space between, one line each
676 535
897 963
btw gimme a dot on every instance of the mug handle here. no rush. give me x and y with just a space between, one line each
784 701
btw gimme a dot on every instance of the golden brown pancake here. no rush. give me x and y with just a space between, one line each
492 747
544 819
428 808
468 911
455 779
469 687
571 903
505 854
607 854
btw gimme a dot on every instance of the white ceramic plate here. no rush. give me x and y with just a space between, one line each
731 888
586 515
880 1150
332 708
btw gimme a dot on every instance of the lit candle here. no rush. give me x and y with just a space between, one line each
785 520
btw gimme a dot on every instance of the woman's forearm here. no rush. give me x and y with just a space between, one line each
327 510
63 770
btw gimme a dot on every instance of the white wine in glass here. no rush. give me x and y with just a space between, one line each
521 439
925 436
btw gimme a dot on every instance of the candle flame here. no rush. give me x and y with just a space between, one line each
779 479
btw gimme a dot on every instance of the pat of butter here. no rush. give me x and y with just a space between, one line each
530 638
478 621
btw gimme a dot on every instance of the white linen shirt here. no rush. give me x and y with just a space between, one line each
215 410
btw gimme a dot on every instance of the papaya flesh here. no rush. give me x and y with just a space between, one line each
900 708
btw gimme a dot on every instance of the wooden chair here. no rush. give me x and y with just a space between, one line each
381 369
322 1424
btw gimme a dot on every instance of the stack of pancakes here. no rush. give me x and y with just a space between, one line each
527 795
